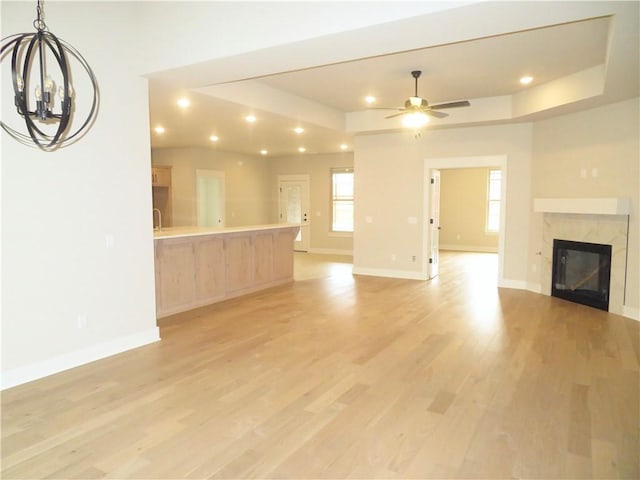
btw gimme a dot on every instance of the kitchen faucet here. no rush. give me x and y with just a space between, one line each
159 217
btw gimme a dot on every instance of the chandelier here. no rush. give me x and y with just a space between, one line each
44 96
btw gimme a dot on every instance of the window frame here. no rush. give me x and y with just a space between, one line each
495 202
333 200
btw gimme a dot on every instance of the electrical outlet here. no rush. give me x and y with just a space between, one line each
393 257
82 320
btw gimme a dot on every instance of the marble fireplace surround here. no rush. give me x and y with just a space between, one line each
593 220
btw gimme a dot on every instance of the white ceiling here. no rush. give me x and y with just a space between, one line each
576 65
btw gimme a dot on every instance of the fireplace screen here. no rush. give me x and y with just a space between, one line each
581 273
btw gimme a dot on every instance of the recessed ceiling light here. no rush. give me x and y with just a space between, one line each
344 146
298 130
159 129
250 118
214 138
302 149
183 102
526 80
369 99
263 152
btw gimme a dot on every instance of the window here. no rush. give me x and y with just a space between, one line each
493 200
342 199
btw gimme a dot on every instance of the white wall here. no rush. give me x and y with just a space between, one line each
59 208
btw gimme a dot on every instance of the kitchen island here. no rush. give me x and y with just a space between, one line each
198 266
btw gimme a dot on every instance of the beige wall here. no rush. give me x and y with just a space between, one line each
390 188
247 188
318 167
463 210
566 151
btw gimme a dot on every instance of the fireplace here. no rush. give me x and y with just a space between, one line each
581 272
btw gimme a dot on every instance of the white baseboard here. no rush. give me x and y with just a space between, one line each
534 287
631 312
28 373
381 272
468 248
516 284
331 251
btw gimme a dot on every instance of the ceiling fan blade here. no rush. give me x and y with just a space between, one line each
463 103
404 112
435 114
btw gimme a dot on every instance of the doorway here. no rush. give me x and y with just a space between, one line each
432 205
210 194
293 207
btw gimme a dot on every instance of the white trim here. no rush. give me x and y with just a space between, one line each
534 287
383 272
515 284
44 368
331 251
631 312
469 248
340 234
595 206
444 163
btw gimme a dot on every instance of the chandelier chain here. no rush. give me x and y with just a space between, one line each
39 23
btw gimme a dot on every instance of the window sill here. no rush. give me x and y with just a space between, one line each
340 234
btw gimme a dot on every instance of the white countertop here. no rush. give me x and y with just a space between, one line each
175 232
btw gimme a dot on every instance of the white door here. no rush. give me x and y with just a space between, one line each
293 206
434 223
210 198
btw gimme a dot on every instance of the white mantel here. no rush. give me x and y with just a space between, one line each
590 206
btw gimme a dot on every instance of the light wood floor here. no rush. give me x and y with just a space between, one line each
342 376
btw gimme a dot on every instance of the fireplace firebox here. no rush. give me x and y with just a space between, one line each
581 272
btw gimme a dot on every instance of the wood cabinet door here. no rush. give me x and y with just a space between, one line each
239 258
161 176
263 258
175 275
283 253
209 269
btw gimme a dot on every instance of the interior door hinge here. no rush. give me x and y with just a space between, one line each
431 221
431 260
433 180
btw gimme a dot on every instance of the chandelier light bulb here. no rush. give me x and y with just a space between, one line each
47 126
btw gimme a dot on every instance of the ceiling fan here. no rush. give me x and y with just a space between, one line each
418 107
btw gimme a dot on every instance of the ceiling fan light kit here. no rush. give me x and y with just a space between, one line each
416 110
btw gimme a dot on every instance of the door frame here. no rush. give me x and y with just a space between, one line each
446 163
305 243
205 172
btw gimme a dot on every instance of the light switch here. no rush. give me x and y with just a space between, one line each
368 219
412 220
594 172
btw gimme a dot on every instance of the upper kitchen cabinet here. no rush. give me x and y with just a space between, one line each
162 197
161 176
